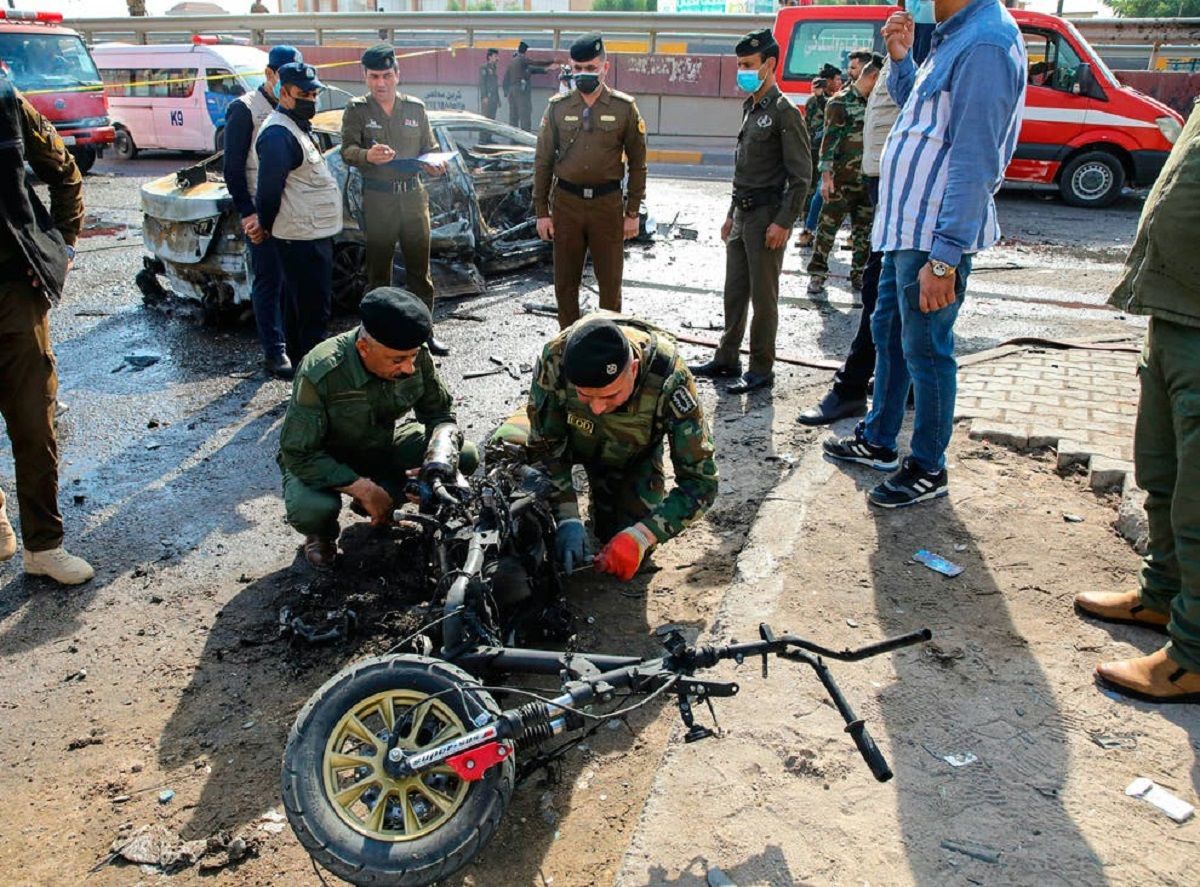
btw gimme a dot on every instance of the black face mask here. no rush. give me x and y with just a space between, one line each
587 83
306 109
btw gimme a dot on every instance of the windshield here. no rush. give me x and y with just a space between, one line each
1100 69
816 43
47 61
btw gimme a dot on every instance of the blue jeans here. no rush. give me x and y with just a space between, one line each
266 295
917 348
814 210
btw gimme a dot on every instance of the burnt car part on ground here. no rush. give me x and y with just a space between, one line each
481 221
399 769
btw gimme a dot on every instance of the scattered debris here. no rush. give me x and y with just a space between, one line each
166 796
960 760
479 374
158 846
338 624
852 623
717 878
961 546
975 851
272 822
1113 741
937 563
95 737
935 651
1152 793
1072 518
463 315
76 675
138 362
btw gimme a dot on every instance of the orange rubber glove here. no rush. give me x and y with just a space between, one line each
624 553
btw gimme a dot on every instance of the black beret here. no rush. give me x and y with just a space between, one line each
830 71
820 81
379 57
863 55
754 42
877 59
596 354
395 318
587 47
522 46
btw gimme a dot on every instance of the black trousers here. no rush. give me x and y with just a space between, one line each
850 382
308 293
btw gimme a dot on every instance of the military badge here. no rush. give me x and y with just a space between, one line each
611 369
587 426
764 121
682 402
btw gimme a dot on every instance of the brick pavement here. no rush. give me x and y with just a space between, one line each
1080 402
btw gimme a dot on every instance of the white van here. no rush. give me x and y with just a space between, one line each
174 96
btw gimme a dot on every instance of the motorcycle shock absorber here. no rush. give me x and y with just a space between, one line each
535 724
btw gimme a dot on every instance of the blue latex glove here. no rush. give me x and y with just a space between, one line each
570 544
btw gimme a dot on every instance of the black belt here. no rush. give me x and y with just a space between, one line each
747 199
589 192
402 186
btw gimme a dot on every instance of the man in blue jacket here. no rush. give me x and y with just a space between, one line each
242 120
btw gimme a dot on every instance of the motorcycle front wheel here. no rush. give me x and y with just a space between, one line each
356 820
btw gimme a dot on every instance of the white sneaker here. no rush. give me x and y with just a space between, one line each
59 565
8 539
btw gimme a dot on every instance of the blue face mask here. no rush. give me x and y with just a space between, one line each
748 81
275 89
921 11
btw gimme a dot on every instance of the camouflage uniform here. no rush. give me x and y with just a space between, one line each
622 451
841 154
341 424
814 119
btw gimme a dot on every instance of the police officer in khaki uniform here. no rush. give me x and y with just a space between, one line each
518 86
489 85
36 249
383 134
587 137
771 175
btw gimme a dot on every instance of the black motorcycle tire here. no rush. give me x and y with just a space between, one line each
331 841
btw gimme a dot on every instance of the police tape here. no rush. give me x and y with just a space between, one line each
224 75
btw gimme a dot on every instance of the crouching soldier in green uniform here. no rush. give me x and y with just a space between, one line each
606 392
340 434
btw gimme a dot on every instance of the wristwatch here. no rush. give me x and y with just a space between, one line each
70 252
941 269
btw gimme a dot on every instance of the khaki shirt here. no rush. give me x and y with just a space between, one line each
406 130
54 165
341 413
882 112
567 149
773 151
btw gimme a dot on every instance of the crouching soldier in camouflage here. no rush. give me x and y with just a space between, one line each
605 393
341 431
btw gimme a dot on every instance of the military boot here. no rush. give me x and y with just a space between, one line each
8 539
60 565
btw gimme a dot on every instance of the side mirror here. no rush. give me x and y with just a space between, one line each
1085 83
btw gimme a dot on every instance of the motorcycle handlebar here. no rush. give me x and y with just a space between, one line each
870 751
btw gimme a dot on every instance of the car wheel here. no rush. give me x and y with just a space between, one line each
1094 179
349 275
123 145
85 158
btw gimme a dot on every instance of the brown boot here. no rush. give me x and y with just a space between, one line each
1153 678
320 552
1121 607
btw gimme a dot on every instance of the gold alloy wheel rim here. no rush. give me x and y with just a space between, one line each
365 797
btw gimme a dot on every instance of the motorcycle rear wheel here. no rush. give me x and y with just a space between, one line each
352 817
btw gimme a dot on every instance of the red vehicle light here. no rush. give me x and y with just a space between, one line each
23 15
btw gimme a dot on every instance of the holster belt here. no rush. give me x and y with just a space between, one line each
402 186
752 198
589 192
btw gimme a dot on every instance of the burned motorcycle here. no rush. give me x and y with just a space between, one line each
398 770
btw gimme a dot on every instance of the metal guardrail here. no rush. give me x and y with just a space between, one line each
325 24
386 25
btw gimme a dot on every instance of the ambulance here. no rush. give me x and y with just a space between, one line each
174 96
51 67
1082 131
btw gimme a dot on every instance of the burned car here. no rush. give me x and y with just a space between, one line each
481 218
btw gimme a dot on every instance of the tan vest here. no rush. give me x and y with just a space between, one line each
311 208
260 110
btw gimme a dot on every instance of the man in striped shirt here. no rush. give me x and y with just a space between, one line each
942 163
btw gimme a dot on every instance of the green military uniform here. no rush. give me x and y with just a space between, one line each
1161 280
771 173
518 89
489 90
341 424
584 150
395 203
622 451
814 119
841 155
32 245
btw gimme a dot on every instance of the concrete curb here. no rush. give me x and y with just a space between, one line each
686 157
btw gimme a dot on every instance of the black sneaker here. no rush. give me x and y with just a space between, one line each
855 448
910 485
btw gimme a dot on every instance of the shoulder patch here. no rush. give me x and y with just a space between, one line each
554 99
587 426
413 99
357 100
623 96
682 402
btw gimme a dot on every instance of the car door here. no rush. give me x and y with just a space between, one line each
179 120
1054 115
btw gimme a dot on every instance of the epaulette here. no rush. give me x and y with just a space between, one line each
623 96
358 100
321 361
411 98
557 98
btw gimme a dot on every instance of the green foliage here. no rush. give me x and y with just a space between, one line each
1156 8
625 6
471 6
